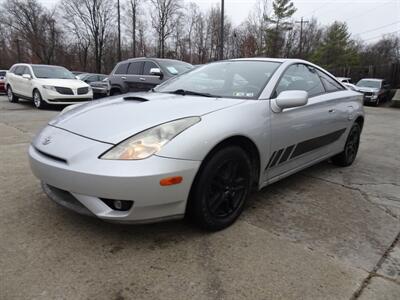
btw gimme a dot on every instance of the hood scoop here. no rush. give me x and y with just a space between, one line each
135 98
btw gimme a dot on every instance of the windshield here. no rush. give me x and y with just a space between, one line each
229 79
369 83
52 72
175 67
82 76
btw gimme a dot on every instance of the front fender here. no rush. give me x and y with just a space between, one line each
249 119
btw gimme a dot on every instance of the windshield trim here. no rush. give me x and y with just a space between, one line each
257 97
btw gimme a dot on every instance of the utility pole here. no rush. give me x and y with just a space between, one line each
221 46
133 4
301 35
119 32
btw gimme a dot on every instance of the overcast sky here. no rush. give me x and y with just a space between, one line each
368 19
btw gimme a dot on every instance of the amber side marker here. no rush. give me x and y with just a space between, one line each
171 180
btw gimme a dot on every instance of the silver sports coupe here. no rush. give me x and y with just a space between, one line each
196 145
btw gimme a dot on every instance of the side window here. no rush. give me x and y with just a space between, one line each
329 83
27 71
122 69
148 65
19 70
303 78
134 68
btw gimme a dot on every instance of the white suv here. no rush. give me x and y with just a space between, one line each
45 85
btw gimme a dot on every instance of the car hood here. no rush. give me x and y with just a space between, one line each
367 90
112 120
71 83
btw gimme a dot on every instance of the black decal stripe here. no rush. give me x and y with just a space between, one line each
276 158
270 160
317 142
286 154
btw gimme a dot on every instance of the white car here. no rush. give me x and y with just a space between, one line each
45 85
347 82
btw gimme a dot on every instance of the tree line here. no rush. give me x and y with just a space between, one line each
84 34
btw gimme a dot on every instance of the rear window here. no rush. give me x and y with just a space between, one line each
122 69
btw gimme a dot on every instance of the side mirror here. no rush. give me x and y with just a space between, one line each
156 72
27 76
289 99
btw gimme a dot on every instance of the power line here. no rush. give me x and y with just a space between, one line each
378 36
377 28
369 10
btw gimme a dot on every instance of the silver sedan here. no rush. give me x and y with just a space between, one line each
196 145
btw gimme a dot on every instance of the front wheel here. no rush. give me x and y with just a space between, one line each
11 97
38 101
220 189
347 157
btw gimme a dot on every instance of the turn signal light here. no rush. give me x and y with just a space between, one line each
171 180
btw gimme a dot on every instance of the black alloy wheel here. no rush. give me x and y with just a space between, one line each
221 189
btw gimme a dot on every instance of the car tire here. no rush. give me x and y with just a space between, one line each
220 189
347 157
115 92
11 96
38 100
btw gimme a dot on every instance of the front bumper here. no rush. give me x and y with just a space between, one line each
74 177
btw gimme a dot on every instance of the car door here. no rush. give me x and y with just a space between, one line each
26 84
134 78
16 79
302 135
150 81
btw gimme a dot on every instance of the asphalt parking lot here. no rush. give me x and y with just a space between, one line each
325 233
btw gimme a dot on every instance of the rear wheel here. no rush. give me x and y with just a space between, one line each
221 189
11 97
37 100
115 92
347 157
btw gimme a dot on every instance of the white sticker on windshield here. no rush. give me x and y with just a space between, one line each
172 70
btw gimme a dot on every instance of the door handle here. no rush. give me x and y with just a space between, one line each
123 78
332 110
142 79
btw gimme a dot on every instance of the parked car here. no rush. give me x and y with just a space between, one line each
143 74
2 81
196 145
76 73
45 85
98 82
375 90
347 82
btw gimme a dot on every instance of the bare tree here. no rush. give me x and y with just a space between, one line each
95 17
35 26
163 17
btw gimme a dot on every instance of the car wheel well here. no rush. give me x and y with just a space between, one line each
360 121
114 89
248 146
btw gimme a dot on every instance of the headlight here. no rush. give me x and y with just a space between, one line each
150 141
50 87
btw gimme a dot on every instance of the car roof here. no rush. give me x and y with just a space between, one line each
151 58
343 77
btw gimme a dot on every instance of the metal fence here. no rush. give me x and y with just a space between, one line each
390 72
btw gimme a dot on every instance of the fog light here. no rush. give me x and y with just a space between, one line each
121 205
118 204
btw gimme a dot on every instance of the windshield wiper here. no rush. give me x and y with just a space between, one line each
192 93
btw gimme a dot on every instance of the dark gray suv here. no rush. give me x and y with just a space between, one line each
142 74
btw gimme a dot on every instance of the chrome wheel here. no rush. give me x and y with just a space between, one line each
37 100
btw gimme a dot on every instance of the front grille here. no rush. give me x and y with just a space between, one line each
64 90
66 199
51 156
369 94
83 91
